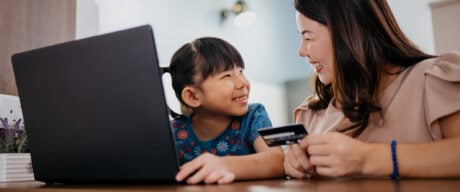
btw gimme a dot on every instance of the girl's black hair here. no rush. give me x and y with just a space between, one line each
194 62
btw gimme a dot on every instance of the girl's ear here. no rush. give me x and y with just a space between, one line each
190 96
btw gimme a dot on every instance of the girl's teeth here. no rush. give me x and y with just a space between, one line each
240 98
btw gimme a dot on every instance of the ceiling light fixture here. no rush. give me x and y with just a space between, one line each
243 17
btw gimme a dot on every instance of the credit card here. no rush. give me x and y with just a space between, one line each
283 135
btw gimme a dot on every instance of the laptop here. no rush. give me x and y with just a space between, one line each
95 112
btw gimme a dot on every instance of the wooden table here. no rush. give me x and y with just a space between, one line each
321 185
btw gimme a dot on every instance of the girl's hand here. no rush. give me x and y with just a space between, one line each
296 163
335 154
206 168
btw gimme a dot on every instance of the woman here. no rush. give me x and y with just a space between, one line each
373 87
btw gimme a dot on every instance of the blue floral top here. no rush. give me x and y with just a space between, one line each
237 139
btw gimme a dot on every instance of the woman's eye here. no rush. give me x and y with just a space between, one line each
306 37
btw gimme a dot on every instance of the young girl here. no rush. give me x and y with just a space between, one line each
217 137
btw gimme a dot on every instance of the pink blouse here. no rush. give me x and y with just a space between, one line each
412 105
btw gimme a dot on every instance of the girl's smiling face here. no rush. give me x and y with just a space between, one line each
316 45
225 93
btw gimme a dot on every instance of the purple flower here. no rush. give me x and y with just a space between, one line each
4 122
17 125
12 136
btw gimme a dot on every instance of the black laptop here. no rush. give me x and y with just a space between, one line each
95 110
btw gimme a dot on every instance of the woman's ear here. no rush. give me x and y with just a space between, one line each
190 96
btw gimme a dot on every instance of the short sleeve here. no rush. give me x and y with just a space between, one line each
442 88
298 117
258 119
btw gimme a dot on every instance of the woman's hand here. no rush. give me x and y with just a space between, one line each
335 154
296 163
206 168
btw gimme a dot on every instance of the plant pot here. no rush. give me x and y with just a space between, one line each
15 167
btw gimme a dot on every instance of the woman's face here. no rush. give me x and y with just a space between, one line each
316 45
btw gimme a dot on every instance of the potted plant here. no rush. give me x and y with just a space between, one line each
15 162
13 137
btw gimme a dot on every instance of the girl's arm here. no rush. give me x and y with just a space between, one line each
208 168
267 162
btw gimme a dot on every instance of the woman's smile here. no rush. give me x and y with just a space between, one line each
317 67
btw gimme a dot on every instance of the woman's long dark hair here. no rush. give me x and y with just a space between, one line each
365 37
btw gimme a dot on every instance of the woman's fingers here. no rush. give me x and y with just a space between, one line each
314 139
297 164
320 161
293 172
335 154
325 171
318 150
302 163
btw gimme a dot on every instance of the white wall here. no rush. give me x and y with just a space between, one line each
446 25
271 44
265 47
10 108
269 48
414 18
87 19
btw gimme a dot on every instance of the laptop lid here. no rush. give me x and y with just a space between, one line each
95 111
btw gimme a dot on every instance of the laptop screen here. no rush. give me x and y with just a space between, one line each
94 110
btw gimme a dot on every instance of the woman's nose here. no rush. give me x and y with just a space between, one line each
303 52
